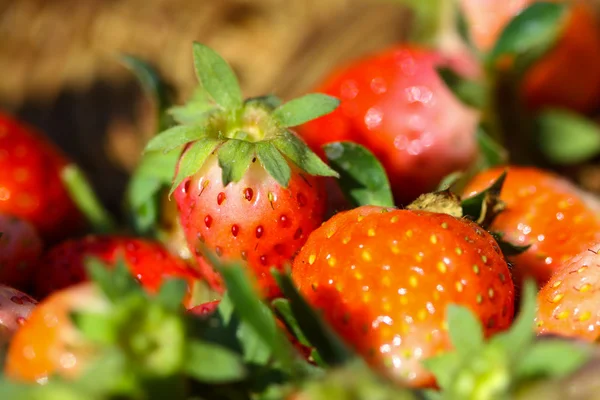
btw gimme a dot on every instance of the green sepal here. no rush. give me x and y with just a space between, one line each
528 36
303 109
284 310
217 77
270 101
235 156
509 249
211 363
84 196
330 347
300 154
274 163
172 292
254 312
443 367
96 326
565 137
465 330
362 177
449 181
176 137
553 358
469 92
195 109
114 281
485 205
193 159
154 85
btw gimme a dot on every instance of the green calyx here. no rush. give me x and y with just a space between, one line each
501 366
218 121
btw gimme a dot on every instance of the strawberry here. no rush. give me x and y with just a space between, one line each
15 307
205 308
30 181
383 278
542 210
395 104
20 248
49 343
150 262
568 302
558 78
246 186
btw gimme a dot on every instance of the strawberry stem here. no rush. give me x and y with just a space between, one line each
83 195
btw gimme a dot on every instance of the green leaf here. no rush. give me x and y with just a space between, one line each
284 310
521 334
195 110
470 92
492 154
95 326
531 34
565 137
252 311
217 77
331 349
552 358
175 137
172 292
443 367
466 332
362 177
256 351
300 154
235 156
303 109
83 195
274 163
212 363
449 181
114 282
193 159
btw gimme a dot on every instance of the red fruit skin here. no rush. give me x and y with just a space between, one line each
383 281
545 211
255 219
150 263
569 304
20 249
30 183
395 104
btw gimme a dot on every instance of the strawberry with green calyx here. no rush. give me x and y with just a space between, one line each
542 210
506 363
246 186
150 334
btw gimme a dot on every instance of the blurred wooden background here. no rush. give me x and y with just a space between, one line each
59 69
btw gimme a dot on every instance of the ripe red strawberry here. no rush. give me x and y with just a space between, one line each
545 211
395 104
246 186
205 308
30 183
383 279
568 304
149 261
48 343
20 248
15 307
559 78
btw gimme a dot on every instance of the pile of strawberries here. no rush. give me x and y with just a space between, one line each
401 234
